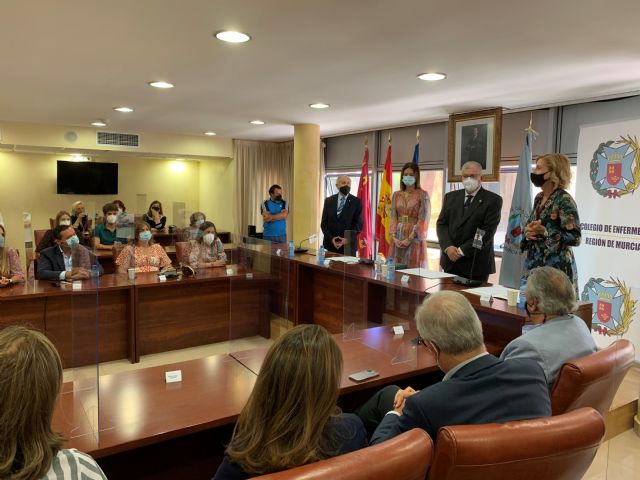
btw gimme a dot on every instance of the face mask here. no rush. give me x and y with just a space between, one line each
145 236
1 241
73 241
156 208
538 178
65 222
409 180
200 221
277 198
470 184
345 190
112 218
209 238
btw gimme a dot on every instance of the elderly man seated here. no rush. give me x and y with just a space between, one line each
560 336
477 387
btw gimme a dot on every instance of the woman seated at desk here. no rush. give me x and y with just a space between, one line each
145 256
31 377
208 250
10 271
155 217
291 417
80 221
195 222
62 218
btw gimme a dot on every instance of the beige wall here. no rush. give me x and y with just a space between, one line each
28 183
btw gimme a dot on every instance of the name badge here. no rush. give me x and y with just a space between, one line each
173 376
398 330
162 278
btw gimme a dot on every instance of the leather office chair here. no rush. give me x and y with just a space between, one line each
405 457
38 235
593 380
560 447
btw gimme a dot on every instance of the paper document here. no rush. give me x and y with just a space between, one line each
426 273
344 259
495 291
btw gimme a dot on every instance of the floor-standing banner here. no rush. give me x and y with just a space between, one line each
608 198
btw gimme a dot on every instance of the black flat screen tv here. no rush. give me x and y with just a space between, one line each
87 178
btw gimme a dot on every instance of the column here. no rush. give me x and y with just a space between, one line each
306 180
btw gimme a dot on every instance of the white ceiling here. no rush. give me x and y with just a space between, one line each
70 61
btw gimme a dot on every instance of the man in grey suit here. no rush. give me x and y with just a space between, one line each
558 336
463 212
477 387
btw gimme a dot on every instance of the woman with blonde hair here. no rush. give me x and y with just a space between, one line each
145 255
553 226
30 381
10 270
291 417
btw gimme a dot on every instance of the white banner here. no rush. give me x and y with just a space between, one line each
608 198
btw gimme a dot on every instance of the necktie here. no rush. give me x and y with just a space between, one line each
467 202
341 204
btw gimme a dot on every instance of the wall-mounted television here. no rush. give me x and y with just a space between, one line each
87 178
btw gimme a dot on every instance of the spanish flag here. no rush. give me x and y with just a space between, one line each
364 237
383 213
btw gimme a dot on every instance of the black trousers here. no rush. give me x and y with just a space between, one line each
372 412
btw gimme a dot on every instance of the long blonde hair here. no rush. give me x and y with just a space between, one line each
30 379
294 397
559 169
5 270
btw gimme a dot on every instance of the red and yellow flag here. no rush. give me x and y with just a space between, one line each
364 237
383 213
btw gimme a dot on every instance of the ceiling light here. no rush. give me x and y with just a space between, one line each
161 84
233 37
432 76
256 122
319 105
123 109
99 123
210 134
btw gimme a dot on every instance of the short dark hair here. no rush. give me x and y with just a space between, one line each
109 207
57 231
273 188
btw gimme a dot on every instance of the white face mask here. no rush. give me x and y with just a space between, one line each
200 221
209 238
470 184
112 218
65 222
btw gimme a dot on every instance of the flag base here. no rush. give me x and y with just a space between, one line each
466 281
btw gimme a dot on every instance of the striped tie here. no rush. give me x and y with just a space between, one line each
341 204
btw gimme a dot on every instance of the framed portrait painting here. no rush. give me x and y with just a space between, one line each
475 137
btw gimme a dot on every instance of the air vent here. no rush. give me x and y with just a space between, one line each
118 139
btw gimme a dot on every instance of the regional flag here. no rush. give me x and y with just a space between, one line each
364 237
383 212
416 150
512 258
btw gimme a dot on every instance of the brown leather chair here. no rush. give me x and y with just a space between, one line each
560 447
405 457
38 235
593 380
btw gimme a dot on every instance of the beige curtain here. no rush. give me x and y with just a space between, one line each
258 166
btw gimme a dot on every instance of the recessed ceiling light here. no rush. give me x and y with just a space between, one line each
123 109
233 37
210 134
161 84
256 122
99 123
319 105
432 76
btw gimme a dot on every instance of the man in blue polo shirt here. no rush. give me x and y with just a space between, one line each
275 212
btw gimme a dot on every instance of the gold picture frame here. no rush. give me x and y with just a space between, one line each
475 136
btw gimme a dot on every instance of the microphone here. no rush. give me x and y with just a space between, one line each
477 245
310 239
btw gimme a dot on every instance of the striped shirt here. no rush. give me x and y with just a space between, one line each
70 464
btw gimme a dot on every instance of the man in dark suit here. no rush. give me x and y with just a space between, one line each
477 387
67 259
463 212
342 212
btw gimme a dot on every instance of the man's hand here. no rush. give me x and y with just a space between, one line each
401 397
453 253
77 273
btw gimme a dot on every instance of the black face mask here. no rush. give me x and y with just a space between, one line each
277 198
345 190
538 178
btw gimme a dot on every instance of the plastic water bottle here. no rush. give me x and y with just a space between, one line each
95 270
377 265
292 248
321 254
391 269
522 298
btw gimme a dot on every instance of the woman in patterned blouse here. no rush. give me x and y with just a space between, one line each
553 227
145 256
208 250
10 271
